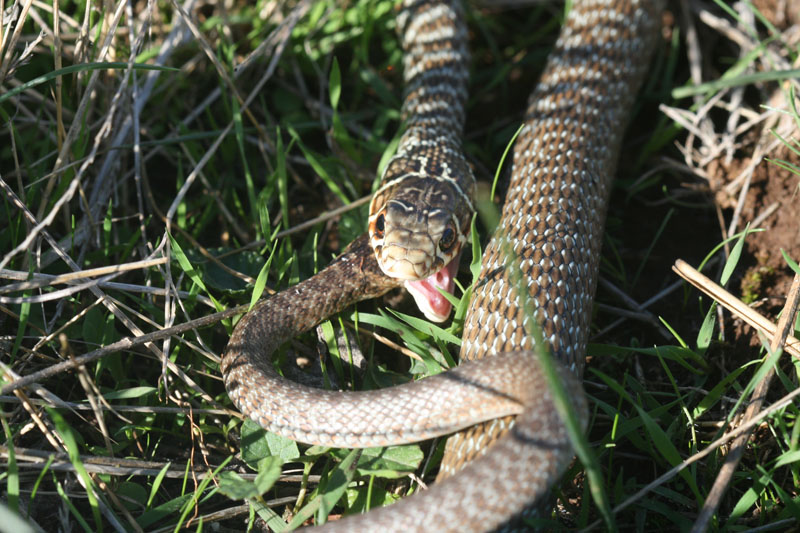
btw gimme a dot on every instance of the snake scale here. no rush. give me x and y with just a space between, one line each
552 224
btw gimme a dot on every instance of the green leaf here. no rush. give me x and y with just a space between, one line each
788 458
429 328
282 177
411 341
386 156
269 470
247 176
11 472
477 251
68 436
187 267
378 497
679 354
721 245
764 367
261 280
258 443
157 484
236 487
733 260
78 515
92 325
270 517
319 168
200 490
713 396
391 462
264 220
707 329
339 131
738 81
673 332
215 276
133 495
789 262
503 160
166 509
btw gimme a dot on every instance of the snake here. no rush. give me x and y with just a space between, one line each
420 216
510 444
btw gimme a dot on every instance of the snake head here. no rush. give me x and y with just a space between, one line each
417 235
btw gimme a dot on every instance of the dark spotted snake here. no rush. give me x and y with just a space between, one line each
550 233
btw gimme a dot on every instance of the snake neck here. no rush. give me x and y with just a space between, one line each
435 69
433 36
352 277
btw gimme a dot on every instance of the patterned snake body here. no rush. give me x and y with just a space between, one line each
420 216
552 224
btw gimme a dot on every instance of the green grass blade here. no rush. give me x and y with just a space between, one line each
333 489
12 472
733 260
736 81
261 280
67 435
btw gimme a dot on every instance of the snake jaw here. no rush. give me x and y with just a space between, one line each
430 301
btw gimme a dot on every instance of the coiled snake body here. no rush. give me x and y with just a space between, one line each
550 232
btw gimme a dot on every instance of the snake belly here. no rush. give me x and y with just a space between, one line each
552 223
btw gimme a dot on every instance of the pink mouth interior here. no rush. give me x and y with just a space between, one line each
429 300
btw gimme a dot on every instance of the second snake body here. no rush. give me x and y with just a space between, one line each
550 234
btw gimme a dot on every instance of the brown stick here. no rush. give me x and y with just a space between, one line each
734 305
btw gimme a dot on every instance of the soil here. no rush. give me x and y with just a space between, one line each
767 278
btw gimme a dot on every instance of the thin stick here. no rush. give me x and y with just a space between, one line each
124 344
80 274
734 305
34 459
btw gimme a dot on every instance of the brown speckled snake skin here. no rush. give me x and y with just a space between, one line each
552 223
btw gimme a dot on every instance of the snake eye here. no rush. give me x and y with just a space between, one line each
379 226
448 239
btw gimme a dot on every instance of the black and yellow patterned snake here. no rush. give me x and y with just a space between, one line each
549 236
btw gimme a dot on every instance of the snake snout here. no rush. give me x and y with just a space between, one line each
406 263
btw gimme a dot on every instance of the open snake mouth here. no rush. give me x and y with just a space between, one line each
430 301
411 255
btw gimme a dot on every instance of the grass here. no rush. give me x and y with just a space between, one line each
140 207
